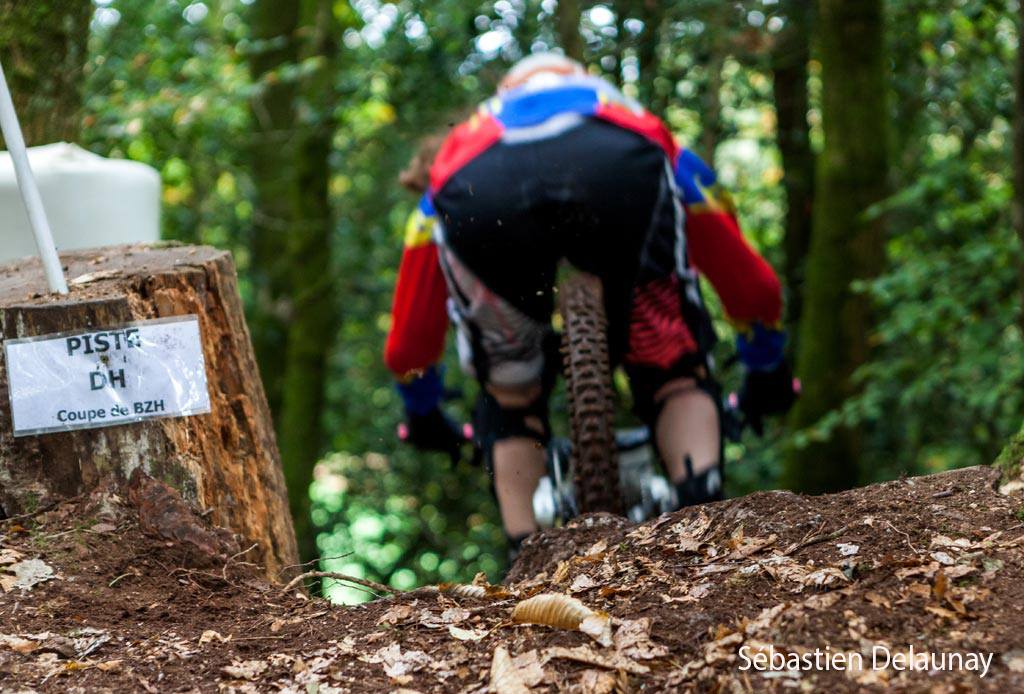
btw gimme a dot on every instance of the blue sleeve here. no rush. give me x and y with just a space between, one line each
691 171
423 394
761 348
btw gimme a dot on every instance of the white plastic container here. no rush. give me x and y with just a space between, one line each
90 201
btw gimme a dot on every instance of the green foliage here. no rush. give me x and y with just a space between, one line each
168 83
943 387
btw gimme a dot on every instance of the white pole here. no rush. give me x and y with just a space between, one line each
29 192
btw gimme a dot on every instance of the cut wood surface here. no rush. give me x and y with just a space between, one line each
225 462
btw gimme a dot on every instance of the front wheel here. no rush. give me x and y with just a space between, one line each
590 395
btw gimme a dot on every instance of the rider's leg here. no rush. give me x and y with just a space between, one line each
519 463
687 428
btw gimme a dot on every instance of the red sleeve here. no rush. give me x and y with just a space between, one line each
419 319
748 287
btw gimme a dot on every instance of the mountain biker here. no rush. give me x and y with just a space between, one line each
560 164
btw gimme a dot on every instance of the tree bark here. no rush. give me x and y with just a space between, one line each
846 246
225 461
312 329
42 48
789 67
1011 460
274 26
295 239
569 28
1018 136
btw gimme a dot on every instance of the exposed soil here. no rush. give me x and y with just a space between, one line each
933 562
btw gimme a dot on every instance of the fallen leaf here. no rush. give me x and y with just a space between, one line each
27 574
941 611
633 640
921 590
505 677
395 614
585 654
563 612
597 682
9 556
847 549
465 634
210 635
109 666
18 644
582 583
878 600
245 669
943 558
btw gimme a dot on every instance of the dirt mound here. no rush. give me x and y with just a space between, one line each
91 602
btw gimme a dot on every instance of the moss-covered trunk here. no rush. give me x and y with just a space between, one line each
846 245
789 69
1012 457
42 48
292 239
569 28
274 26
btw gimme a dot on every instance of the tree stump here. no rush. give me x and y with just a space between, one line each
225 462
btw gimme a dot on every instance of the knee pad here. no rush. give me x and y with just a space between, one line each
493 422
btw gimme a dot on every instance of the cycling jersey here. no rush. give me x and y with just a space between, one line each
504 180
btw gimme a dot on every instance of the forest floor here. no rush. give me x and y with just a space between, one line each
93 599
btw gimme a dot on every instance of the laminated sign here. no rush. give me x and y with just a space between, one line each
99 378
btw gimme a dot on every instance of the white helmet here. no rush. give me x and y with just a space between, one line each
544 66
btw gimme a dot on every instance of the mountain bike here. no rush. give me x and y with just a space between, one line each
600 468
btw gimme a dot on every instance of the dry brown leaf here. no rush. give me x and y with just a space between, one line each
18 644
582 583
927 570
633 640
597 682
109 666
878 600
940 586
941 611
245 669
585 654
505 677
563 612
744 547
561 572
475 591
211 635
921 590
395 614
9 556
466 634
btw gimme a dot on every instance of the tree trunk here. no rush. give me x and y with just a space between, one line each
1011 460
225 461
312 329
297 232
274 25
569 29
846 246
789 67
1018 138
42 48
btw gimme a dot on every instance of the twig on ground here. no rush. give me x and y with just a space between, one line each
816 539
906 536
42 509
311 561
365 583
224 570
944 494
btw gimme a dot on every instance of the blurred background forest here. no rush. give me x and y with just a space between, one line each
870 146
